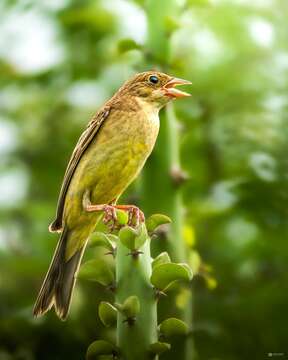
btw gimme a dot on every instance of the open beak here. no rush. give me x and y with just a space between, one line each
171 91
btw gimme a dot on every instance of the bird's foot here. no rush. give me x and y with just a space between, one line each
110 216
135 215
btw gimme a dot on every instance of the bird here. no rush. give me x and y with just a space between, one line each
108 156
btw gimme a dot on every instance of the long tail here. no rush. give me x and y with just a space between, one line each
59 282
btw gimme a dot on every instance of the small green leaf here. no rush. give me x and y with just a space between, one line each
188 268
130 308
122 217
142 237
113 238
173 327
156 220
100 347
131 238
97 270
127 237
164 275
107 313
101 239
125 45
159 347
162 258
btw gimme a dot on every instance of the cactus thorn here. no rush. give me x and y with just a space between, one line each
135 253
111 287
130 320
112 252
178 175
159 293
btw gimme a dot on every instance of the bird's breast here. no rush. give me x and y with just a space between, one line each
116 155
136 130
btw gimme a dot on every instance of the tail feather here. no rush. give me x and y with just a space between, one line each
59 282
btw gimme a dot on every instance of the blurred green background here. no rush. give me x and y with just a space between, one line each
59 61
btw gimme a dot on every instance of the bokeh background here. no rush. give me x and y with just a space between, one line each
59 61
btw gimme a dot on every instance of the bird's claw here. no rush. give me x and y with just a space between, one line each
110 217
135 216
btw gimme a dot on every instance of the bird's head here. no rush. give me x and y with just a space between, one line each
154 87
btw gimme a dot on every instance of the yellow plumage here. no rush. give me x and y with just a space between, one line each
107 158
110 164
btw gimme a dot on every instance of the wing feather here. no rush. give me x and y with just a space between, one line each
82 144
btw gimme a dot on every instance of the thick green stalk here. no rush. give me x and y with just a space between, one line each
160 190
133 279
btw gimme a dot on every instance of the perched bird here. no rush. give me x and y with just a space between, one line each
107 158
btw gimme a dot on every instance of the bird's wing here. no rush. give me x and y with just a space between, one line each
84 141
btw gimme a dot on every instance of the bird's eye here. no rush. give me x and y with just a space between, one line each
153 79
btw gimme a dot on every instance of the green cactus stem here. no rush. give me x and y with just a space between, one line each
140 282
136 325
161 190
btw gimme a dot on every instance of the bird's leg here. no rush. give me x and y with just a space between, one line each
108 210
134 214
